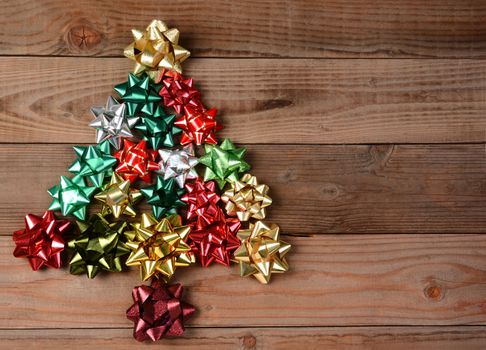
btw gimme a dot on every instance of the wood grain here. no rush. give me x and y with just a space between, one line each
307 28
328 189
264 101
333 281
338 338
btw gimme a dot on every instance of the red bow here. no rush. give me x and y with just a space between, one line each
179 92
158 311
41 241
199 126
136 161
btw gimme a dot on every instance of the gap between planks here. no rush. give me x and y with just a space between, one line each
332 338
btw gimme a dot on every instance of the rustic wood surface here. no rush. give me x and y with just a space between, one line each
254 28
367 120
314 338
335 281
264 101
316 189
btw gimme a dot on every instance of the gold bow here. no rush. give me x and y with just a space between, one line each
118 198
158 247
156 48
247 199
261 252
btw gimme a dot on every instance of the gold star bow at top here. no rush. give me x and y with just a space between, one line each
156 48
118 198
261 252
158 247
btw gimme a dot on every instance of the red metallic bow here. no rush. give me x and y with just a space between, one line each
202 202
217 241
213 237
41 241
136 161
158 311
198 126
179 92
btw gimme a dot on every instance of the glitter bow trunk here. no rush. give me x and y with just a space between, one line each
158 311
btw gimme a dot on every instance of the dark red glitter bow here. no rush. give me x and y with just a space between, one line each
158 311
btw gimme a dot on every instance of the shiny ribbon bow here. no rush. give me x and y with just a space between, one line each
159 247
158 311
159 131
179 92
140 96
198 126
202 203
247 199
118 198
261 252
71 196
112 123
156 48
99 246
223 163
163 196
178 164
217 241
94 162
136 161
41 241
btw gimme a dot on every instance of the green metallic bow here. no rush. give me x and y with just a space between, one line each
94 162
98 247
164 196
71 196
140 96
158 130
223 163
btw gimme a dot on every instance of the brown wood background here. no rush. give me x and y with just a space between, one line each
366 118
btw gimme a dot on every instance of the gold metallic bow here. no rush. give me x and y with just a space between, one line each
156 48
247 199
118 198
261 252
158 247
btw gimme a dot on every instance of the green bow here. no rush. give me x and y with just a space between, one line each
98 247
159 130
140 96
223 163
94 162
71 196
164 196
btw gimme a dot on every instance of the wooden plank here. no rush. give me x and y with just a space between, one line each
308 28
264 101
338 338
334 281
329 189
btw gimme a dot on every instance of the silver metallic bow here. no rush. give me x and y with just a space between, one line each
178 164
112 123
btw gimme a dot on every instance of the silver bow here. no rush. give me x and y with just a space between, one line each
112 123
178 164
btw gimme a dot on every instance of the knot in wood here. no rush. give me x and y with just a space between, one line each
82 36
249 342
433 292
